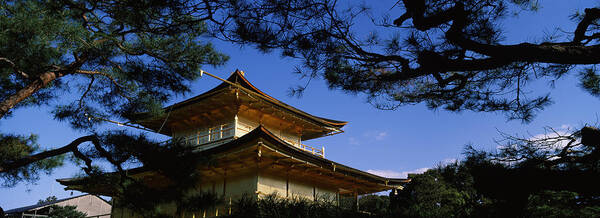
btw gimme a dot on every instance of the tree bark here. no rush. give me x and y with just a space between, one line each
46 154
500 55
27 91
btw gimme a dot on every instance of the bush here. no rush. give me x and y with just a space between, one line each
277 207
65 212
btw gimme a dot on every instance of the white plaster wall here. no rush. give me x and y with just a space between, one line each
296 187
235 188
245 125
240 185
300 189
269 184
89 204
264 183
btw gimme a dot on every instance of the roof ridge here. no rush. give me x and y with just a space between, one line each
43 204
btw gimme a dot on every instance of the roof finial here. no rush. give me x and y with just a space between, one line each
240 72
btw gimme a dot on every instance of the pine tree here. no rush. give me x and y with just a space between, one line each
114 59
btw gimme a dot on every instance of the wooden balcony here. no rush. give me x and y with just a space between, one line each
220 134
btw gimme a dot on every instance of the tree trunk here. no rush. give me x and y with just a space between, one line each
27 91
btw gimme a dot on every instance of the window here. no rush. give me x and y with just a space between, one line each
206 135
227 130
215 133
203 136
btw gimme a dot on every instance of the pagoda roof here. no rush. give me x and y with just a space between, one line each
280 157
282 148
238 78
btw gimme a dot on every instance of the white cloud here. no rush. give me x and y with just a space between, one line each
551 140
551 137
353 141
377 135
448 161
550 134
380 136
563 130
396 174
565 126
404 174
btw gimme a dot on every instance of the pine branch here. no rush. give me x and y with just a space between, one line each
5 167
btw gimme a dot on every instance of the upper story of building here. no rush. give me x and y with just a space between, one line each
234 108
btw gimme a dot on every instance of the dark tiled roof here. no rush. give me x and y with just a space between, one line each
42 205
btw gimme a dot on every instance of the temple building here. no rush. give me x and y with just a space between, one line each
259 146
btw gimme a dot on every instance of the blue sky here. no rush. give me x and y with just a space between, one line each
389 143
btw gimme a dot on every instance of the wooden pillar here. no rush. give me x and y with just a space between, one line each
356 199
258 160
214 191
224 182
230 205
287 183
236 124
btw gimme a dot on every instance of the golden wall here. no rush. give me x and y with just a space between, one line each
245 125
252 184
293 187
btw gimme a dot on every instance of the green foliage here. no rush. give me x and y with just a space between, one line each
13 147
374 204
590 81
92 61
65 212
48 199
464 190
549 169
446 54
29 43
171 186
273 206
560 204
446 191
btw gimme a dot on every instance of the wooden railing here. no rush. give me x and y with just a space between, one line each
211 136
313 150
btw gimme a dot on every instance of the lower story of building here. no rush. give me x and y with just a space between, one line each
252 185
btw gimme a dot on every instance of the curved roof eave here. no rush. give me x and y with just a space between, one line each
264 134
237 77
261 132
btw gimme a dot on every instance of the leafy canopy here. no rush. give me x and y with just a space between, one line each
92 61
465 189
448 54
